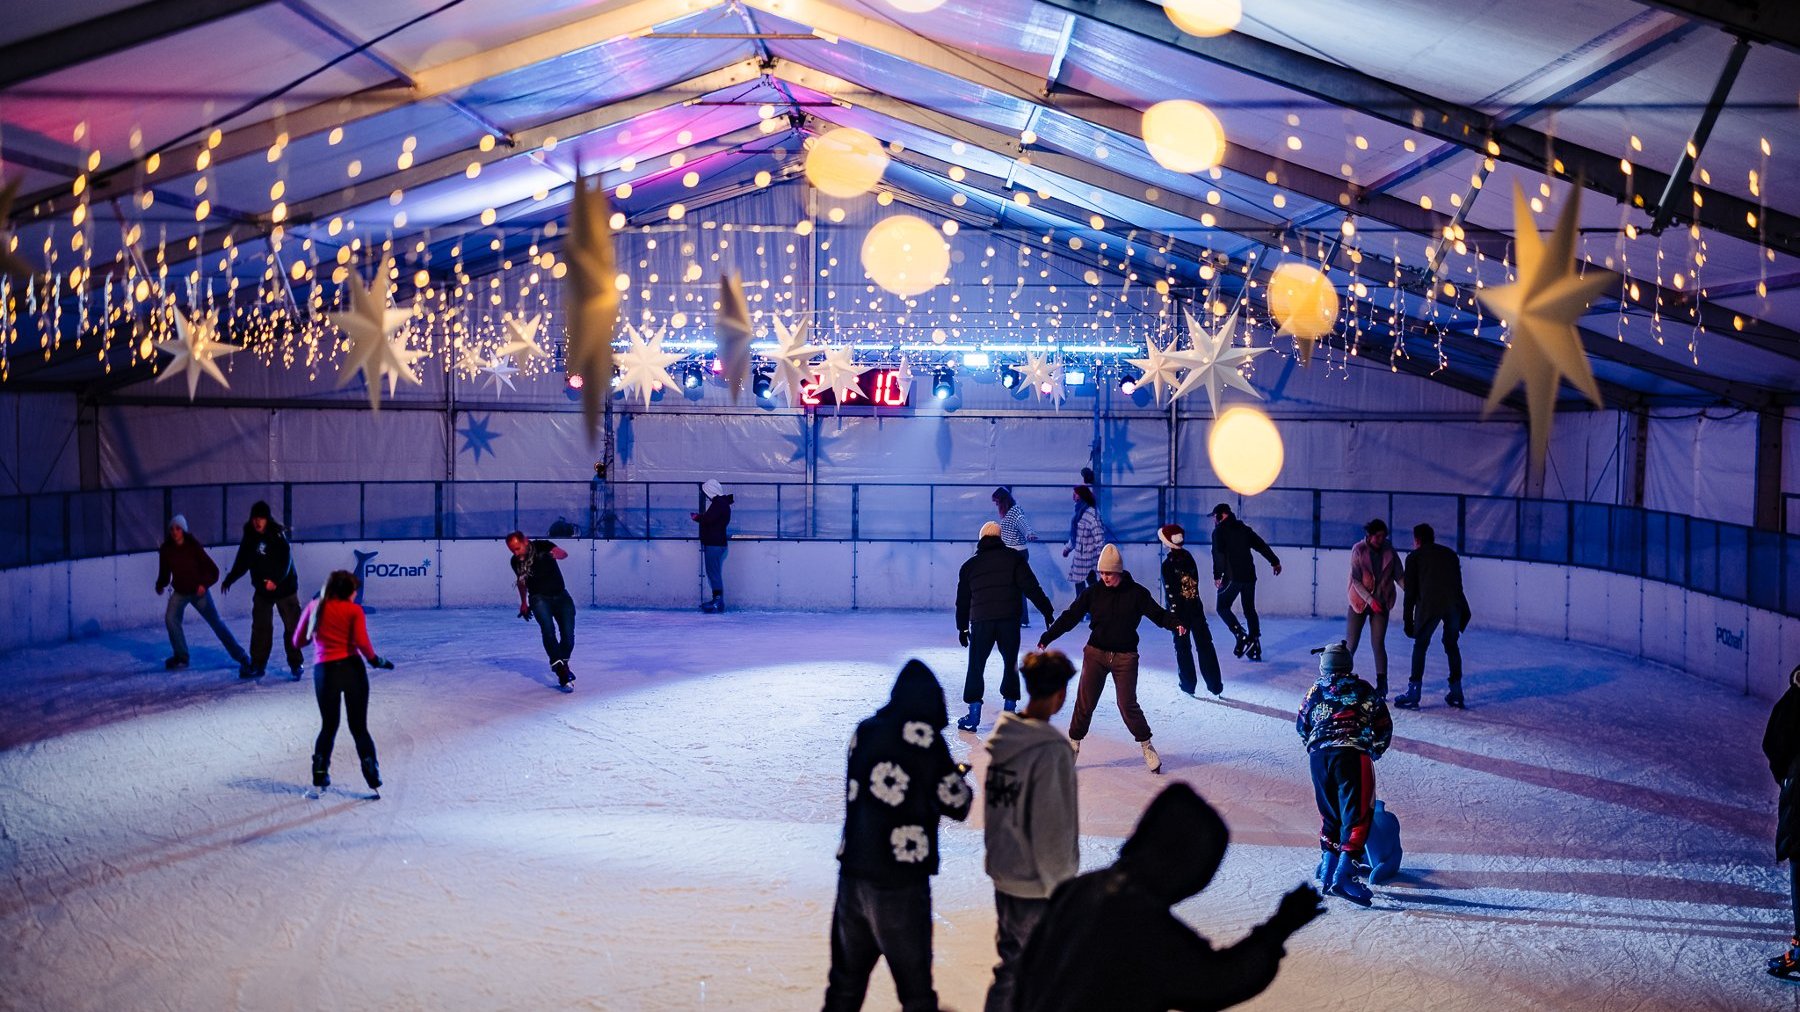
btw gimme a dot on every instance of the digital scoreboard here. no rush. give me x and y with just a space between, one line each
876 387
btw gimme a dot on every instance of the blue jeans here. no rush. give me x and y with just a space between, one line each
870 921
203 603
555 614
715 566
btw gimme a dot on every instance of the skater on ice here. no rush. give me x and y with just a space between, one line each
1087 535
1781 745
1029 816
338 630
186 571
1345 727
1181 595
1114 607
899 783
990 590
714 517
1234 574
543 596
1111 941
1434 598
265 555
1374 575
1015 533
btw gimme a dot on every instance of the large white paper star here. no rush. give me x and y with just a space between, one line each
1214 363
1159 369
733 332
1540 310
195 348
644 366
591 298
1036 373
838 373
793 359
370 323
523 347
500 371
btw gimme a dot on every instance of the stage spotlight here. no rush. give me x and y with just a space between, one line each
762 384
575 381
1009 378
1128 383
692 376
943 384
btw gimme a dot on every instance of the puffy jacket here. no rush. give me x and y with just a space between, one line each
186 566
990 584
899 782
1113 615
1232 543
1373 576
714 521
265 556
1343 711
1109 940
1029 811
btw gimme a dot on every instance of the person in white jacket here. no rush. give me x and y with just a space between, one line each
1030 817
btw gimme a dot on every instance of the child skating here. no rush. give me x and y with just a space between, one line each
1346 727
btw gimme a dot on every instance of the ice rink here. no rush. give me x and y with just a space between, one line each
1594 832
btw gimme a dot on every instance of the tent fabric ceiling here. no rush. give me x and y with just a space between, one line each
958 86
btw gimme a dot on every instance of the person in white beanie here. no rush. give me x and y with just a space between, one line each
713 518
1113 607
186 571
989 588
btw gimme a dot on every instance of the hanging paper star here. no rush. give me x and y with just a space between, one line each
644 366
500 371
1036 374
1159 369
1059 390
1214 363
591 297
903 378
370 324
1540 310
793 359
733 334
478 438
838 373
195 347
524 348
13 265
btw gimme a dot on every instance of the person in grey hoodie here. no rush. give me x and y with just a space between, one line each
1030 816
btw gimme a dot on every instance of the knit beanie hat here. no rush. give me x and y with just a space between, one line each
179 520
990 530
1171 535
1110 560
1221 509
1334 658
261 509
712 488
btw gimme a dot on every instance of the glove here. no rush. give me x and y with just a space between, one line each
1041 646
525 612
1296 910
381 662
962 636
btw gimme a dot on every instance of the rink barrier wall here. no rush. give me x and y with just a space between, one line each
1747 649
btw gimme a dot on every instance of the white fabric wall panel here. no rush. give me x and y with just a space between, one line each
1590 459
1485 458
671 446
1702 465
525 446
184 445
1790 467
317 445
38 450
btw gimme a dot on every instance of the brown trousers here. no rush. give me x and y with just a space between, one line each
1095 666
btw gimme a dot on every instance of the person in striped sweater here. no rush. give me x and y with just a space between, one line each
1015 533
1087 535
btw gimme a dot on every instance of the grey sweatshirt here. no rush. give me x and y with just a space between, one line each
1030 808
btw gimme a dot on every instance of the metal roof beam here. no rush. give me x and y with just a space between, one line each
1773 21
121 30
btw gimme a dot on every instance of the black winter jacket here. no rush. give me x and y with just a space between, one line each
900 780
1109 940
1781 745
1232 543
1114 615
714 521
265 556
1434 586
989 585
1181 581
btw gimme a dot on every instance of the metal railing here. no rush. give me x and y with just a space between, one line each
1756 567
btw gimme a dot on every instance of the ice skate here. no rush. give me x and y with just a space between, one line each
1408 700
176 661
1345 885
1152 761
372 776
1243 640
1454 697
1075 743
321 778
563 675
1253 648
972 720
293 674
710 607
1787 965
246 671
1010 706
1323 873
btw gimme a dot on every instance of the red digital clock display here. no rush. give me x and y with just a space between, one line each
879 387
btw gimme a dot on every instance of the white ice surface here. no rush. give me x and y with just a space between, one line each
1594 832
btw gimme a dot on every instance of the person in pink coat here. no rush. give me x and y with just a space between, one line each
1374 573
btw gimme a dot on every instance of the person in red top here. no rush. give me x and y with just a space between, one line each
339 633
184 568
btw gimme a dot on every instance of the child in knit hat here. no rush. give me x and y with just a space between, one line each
1345 726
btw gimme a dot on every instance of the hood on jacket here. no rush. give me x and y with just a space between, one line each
1014 734
916 696
989 542
1177 846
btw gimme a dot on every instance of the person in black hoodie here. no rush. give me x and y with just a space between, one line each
1434 596
1114 607
1781 745
900 781
714 541
989 588
1181 595
1234 574
266 556
1110 940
